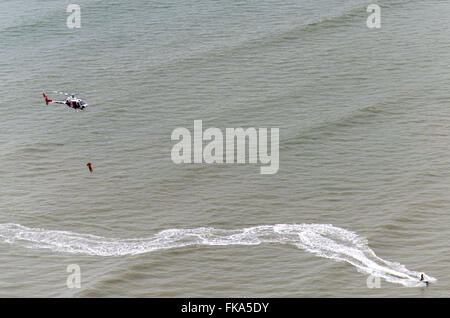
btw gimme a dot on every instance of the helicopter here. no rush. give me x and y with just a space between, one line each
70 101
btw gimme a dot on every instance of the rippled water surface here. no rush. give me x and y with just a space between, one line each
363 185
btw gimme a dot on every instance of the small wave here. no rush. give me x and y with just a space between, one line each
332 126
324 240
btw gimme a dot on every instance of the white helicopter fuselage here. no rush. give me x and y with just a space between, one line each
71 101
75 103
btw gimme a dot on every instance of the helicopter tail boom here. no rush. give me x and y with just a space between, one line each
46 99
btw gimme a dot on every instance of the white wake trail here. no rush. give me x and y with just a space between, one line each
323 240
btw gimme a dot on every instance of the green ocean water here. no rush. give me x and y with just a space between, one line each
363 185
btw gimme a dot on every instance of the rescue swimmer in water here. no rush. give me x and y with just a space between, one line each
70 101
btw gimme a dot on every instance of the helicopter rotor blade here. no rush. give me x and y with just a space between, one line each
66 94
